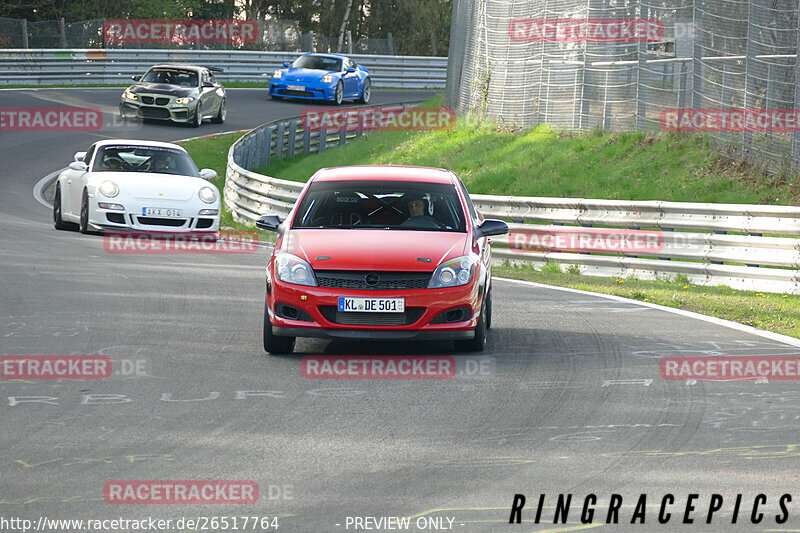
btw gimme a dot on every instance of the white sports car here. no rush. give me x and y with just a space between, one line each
136 186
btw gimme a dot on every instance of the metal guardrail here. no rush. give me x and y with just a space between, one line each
97 66
710 244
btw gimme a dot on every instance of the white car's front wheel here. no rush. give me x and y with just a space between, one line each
84 225
58 222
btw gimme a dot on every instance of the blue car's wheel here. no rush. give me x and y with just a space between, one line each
366 92
338 96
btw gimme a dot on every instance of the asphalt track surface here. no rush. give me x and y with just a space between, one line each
567 399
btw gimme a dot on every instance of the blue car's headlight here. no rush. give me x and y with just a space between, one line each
277 74
327 78
454 272
292 269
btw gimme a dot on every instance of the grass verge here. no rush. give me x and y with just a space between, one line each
212 152
779 313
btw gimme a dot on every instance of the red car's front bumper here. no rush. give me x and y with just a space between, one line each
318 316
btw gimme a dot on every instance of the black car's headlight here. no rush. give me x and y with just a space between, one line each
186 100
292 269
453 273
129 95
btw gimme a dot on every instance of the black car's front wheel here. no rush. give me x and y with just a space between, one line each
275 344
221 114
198 116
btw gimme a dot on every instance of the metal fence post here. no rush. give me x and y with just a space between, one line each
641 103
796 135
306 142
61 27
697 59
25 33
749 74
323 139
606 107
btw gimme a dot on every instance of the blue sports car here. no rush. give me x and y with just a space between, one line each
322 77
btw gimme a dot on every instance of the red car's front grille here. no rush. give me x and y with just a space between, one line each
373 281
411 315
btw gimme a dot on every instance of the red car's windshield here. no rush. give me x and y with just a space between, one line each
381 204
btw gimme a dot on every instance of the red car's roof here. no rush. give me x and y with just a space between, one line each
386 172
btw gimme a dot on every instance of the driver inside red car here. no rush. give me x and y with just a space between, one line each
418 212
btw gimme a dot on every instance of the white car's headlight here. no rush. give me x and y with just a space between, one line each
183 100
109 189
129 95
207 194
455 272
327 78
292 269
277 74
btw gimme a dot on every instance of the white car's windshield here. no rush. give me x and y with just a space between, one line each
171 76
381 205
318 63
144 159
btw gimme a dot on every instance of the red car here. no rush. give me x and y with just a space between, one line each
380 252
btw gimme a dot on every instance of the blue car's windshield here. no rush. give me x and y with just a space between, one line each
318 63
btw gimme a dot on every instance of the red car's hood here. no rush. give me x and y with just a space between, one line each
391 250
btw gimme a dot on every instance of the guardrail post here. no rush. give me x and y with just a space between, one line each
292 138
268 146
306 142
343 134
259 150
279 140
323 139
251 154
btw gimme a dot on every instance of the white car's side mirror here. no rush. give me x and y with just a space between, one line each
208 174
79 156
79 166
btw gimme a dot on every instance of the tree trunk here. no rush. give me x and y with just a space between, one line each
344 25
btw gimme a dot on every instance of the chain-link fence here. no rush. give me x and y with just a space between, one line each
727 67
272 35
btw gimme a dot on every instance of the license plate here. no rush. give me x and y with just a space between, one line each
372 305
162 212
295 87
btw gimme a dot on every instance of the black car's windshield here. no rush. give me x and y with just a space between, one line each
318 63
144 159
394 205
171 76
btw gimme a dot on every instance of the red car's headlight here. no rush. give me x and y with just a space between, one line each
455 272
292 269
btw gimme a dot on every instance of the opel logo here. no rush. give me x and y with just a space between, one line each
372 279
